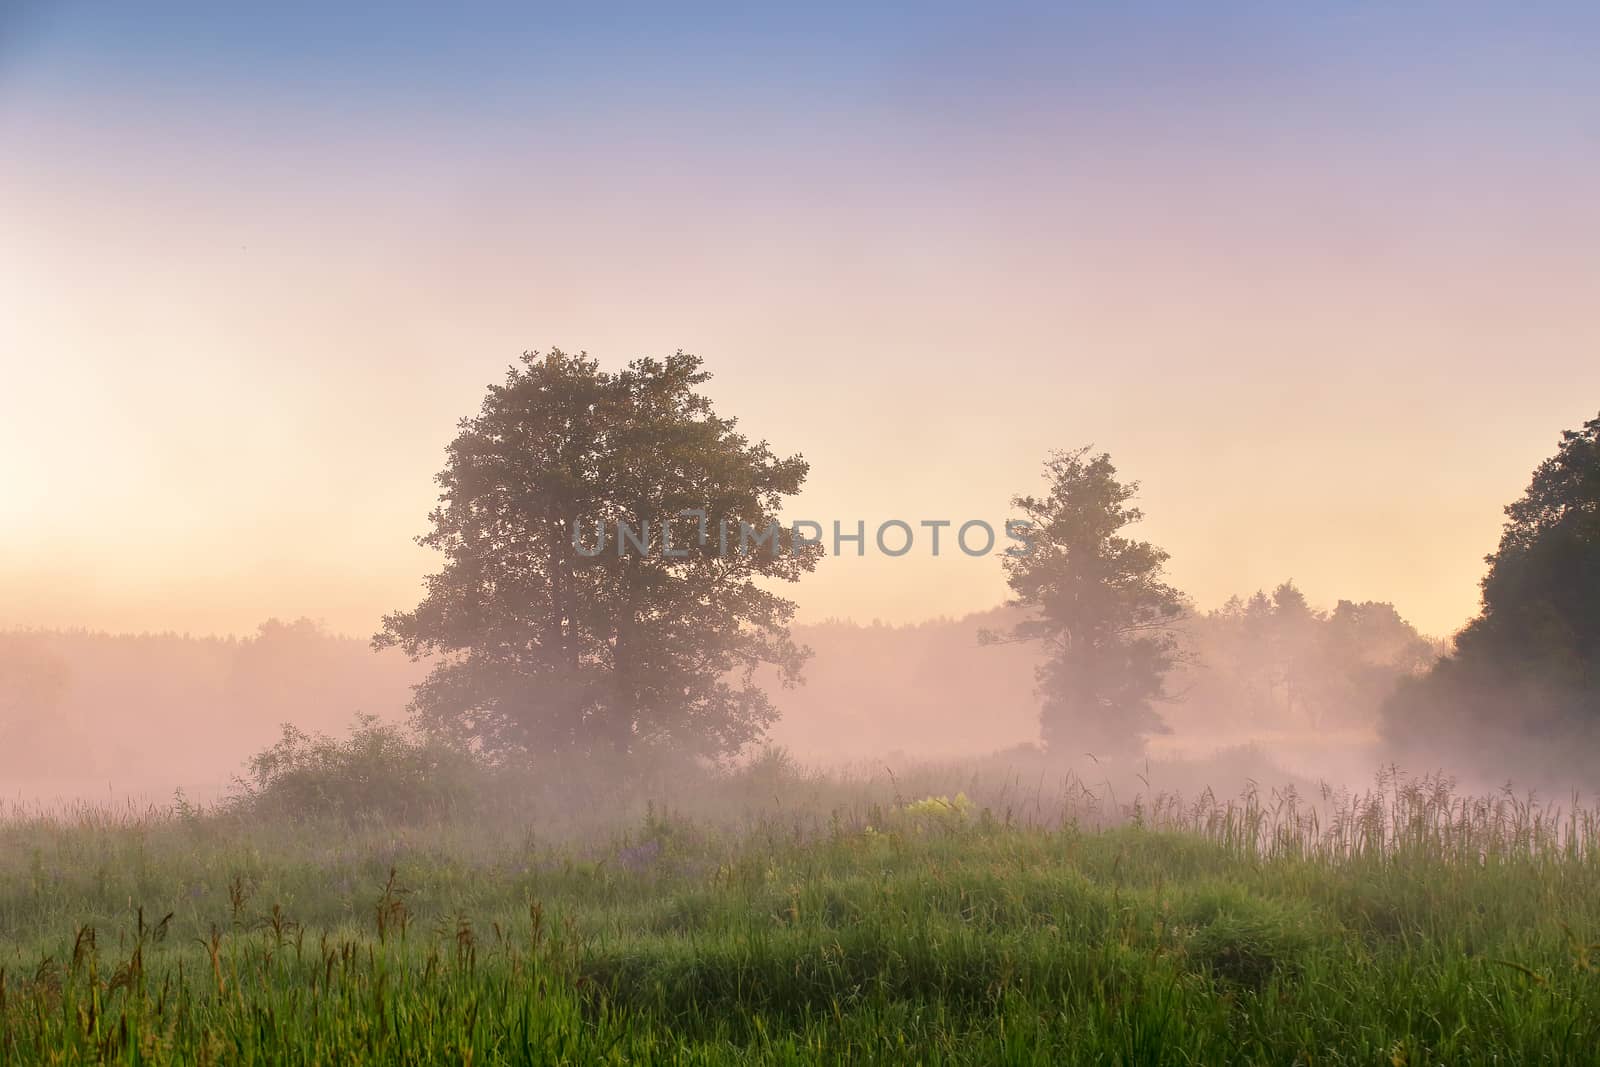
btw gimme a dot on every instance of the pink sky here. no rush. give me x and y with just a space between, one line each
237 327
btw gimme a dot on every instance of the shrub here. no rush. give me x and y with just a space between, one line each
379 772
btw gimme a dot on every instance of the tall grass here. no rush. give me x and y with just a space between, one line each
784 917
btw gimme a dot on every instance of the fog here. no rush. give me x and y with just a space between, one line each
233 353
1274 687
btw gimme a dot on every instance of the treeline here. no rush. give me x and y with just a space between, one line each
147 712
1274 662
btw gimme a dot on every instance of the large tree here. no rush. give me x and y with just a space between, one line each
541 647
1099 602
1525 673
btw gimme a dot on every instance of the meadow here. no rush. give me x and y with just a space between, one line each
776 917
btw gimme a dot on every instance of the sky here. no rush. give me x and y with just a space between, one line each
1324 278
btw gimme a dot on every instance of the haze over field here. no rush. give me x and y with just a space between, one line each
1322 284
99 715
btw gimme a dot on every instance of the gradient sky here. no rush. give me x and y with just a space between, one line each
1325 278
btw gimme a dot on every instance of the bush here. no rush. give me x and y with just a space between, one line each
380 772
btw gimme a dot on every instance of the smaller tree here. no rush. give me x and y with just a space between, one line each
1099 602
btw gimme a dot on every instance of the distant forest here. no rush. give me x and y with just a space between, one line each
147 712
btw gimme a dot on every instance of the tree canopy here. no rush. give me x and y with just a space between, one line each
1099 602
1528 665
1541 597
541 648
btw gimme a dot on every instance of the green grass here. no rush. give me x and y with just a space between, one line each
1406 927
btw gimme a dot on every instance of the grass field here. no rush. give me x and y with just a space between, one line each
1407 926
